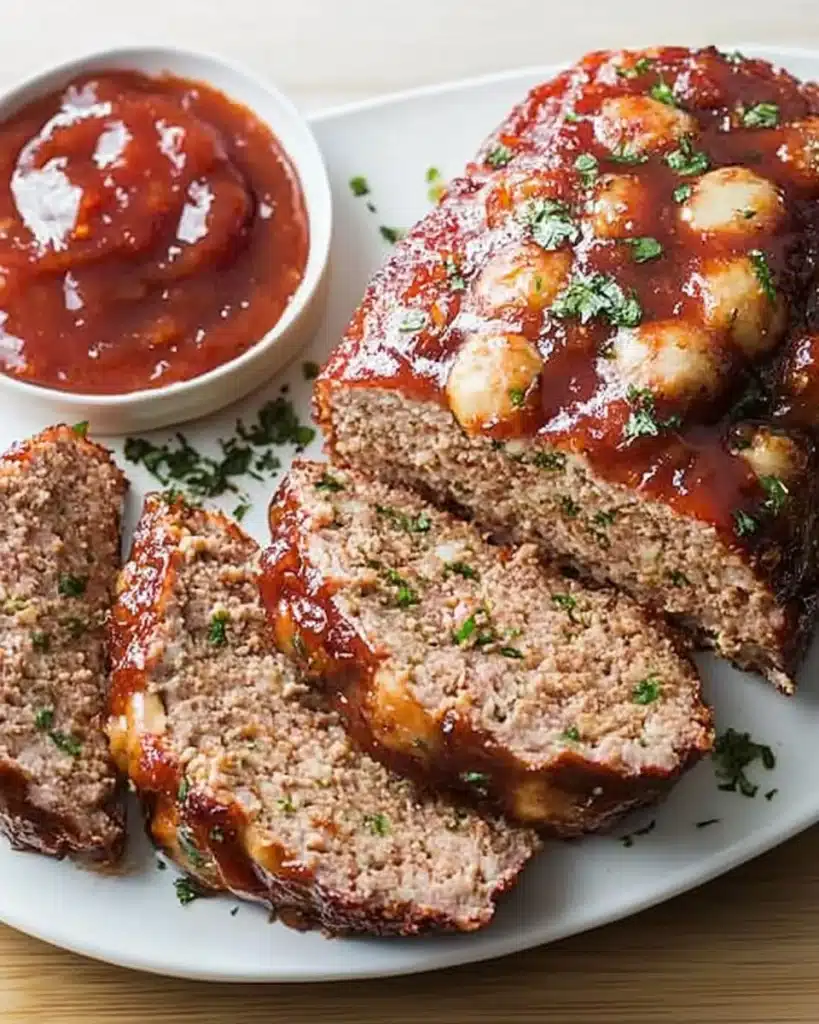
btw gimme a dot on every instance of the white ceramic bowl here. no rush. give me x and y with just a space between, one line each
175 403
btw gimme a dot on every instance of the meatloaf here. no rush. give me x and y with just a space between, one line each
582 345
60 504
249 779
469 665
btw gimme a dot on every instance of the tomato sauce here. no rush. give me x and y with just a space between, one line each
150 230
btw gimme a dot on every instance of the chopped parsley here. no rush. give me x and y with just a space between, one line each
465 630
415 320
733 753
499 156
328 483
645 249
286 804
678 578
663 93
44 719
40 641
186 891
461 569
628 840
771 794
71 586
744 525
67 744
639 67
406 595
687 160
682 193
572 734
412 524
587 168
511 652
241 510
184 789
647 690
605 518
187 844
734 57
479 781
550 223
777 494
592 295
359 186
569 506
391 235
437 186
624 155
217 631
310 370
643 420
517 397
763 115
216 834
454 274
762 272
567 602
706 822
550 460
378 824
571 116
81 428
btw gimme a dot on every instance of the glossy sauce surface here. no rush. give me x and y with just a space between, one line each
150 230
432 299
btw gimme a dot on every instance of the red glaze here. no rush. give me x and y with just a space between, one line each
577 403
150 230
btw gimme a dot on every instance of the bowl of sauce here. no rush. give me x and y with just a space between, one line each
165 223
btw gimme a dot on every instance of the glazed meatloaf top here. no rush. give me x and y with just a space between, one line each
250 780
60 502
624 273
471 665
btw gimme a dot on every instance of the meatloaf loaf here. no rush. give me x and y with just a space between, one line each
462 663
580 345
249 779
60 503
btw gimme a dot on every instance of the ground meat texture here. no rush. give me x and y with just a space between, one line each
60 504
250 780
590 401
465 664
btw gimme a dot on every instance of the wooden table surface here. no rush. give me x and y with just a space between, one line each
743 949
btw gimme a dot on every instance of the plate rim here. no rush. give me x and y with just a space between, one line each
692 877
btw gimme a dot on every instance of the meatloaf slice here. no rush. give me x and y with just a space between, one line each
580 345
462 663
249 778
60 504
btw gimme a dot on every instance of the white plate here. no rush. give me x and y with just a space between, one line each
136 921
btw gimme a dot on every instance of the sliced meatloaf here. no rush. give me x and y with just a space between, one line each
250 781
462 663
581 345
60 504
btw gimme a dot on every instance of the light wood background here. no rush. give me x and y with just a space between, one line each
744 949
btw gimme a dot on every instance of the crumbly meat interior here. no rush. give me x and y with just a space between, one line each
60 498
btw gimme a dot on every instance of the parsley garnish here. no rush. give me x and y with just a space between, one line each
762 272
499 156
465 630
415 320
186 891
572 734
67 744
44 719
686 160
286 804
454 274
406 595
682 193
569 506
216 834
217 633
771 794
605 518
591 295
71 586
587 168
678 578
623 155
412 524
40 641
663 93
462 569
187 845
550 223
763 115
643 421
183 790
310 370
644 249
477 780
437 186
328 483
734 57
744 524
777 494
733 753
567 603
646 691
511 652
359 186
378 824
517 397
706 822
241 510
550 460
391 235
639 67
571 116
81 428
628 840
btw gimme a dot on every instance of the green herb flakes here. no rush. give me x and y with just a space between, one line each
479 781
771 794
216 835
763 115
733 753
643 420
391 235
628 840
183 790
186 891
412 524
624 155
465 630
461 569
187 844
605 517
81 428
415 320
572 734
499 156
44 719
644 249
551 461
67 744
378 824
678 578
326 482
71 586
762 272
437 186
567 602
359 186
406 595
549 222
569 506
591 295
777 494
734 57
217 631
241 510
744 524
640 67
517 397
682 193
687 160
454 274
286 805
646 691
587 168
663 93
511 652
